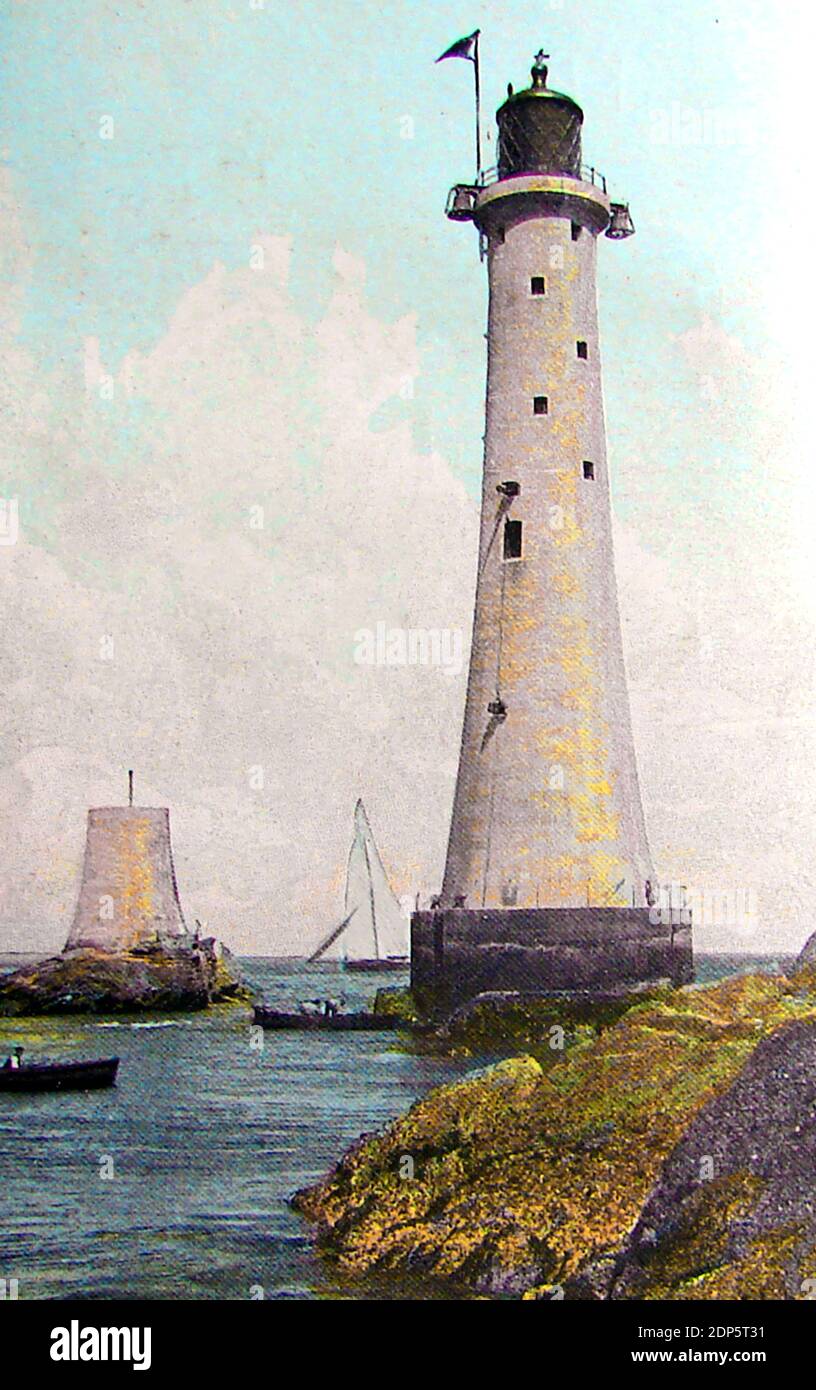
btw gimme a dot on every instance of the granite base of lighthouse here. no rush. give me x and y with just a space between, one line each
458 953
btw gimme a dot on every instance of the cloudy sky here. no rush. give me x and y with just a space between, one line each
241 413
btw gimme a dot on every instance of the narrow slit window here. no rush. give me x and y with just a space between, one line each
576 231
541 405
538 285
582 350
500 236
512 540
589 470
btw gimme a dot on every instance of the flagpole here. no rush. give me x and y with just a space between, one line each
478 118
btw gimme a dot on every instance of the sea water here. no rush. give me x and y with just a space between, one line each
176 1183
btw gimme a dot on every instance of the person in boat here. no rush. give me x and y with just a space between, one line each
331 1007
14 1060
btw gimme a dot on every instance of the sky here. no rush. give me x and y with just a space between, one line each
241 408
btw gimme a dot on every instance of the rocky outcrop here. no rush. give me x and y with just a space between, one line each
101 982
502 1019
732 1214
527 1179
492 1021
395 1001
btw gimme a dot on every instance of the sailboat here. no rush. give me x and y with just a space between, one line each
373 934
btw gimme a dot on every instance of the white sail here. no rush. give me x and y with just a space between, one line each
376 927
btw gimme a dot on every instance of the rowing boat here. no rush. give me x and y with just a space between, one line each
330 1023
59 1076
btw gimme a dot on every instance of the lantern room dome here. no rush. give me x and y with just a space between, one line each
539 129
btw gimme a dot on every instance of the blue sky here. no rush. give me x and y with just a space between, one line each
231 119
239 124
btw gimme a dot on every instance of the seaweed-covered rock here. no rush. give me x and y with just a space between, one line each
395 1001
732 1215
494 1020
102 982
523 1179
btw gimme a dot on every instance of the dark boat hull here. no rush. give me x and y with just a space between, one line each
62 1076
326 1023
375 967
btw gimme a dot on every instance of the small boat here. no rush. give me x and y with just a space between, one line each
374 966
373 935
59 1076
323 1022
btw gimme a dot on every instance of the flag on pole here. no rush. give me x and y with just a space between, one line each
469 48
463 48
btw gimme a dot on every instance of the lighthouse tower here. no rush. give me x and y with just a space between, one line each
548 880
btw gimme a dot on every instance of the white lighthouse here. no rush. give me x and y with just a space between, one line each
547 807
547 849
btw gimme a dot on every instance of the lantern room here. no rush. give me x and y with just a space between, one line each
539 129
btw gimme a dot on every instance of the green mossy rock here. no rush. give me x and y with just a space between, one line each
523 1180
98 982
395 1001
732 1214
545 1024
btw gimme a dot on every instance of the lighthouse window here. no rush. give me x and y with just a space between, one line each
541 405
512 540
589 469
537 285
576 231
581 349
500 236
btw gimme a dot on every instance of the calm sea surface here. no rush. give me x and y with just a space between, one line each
205 1138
